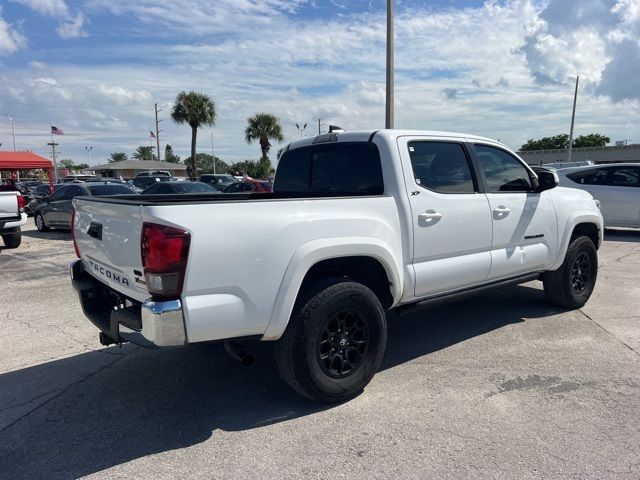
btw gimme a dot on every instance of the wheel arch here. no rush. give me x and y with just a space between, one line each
369 261
589 226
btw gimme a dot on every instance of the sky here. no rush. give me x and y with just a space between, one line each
504 69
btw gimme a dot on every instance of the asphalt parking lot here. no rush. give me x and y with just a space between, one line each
499 386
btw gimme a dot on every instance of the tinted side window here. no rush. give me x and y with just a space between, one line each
624 176
441 167
58 194
351 168
503 172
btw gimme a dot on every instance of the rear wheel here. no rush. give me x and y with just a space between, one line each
40 225
334 342
571 285
13 240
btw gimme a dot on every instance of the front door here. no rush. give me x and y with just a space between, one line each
524 222
451 218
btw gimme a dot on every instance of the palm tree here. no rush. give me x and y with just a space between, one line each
263 127
196 109
143 153
118 157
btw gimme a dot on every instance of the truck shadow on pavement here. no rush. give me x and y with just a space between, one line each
50 235
80 415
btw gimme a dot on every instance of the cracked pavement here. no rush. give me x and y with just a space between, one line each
499 386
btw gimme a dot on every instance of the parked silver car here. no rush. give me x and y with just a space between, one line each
617 187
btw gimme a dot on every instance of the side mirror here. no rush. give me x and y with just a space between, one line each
547 180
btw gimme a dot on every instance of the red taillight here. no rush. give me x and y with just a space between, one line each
73 232
164 259
20 203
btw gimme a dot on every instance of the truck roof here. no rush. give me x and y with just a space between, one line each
365 135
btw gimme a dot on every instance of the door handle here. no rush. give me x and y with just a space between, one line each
501 210
430 215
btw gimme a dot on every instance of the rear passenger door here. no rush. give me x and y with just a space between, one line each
524 222
451 219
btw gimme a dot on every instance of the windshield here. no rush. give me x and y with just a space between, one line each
109 190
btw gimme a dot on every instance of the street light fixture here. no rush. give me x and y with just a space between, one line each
301 129
12 131
88 149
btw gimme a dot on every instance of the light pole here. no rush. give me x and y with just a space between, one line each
301 129
88 149
13 132
389 110
573 117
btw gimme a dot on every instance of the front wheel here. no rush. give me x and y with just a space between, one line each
40 225
13 240
571 285
334 342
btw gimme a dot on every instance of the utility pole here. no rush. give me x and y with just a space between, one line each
320 125
13 132
573 117
389 110
158 131
213 157
53 146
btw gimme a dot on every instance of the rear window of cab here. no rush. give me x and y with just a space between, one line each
341 169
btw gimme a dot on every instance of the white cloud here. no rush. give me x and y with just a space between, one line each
596 39
71 26
11 40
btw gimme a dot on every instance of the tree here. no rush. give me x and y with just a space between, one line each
66 163
591 140
82 166
143 153
263 127
195 109
558 142
169 156
260 169
118 157
204 164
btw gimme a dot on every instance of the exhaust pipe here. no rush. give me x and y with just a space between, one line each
237 351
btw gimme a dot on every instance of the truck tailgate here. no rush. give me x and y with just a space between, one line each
9 205
108 239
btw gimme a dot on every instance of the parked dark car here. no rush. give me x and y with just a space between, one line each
55 211
178 187
249 186
218 180
38 195
144 181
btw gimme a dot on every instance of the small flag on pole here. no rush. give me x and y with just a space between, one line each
56 131
153 135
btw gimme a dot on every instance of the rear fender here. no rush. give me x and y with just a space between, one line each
316 251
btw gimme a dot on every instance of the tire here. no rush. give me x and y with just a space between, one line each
317 356
571 285
13 240
40 225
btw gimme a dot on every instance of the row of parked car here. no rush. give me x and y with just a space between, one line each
54 209
616 186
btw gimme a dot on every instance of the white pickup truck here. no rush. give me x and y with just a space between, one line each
357 223
12 216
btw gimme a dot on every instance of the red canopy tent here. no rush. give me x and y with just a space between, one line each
14 161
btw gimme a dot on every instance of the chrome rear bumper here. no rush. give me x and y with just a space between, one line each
121 319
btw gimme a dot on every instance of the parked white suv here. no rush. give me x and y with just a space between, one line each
357 223
616 186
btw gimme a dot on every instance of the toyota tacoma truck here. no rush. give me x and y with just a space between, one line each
12 216
358 223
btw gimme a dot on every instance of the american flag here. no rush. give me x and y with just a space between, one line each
153 135
56 131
